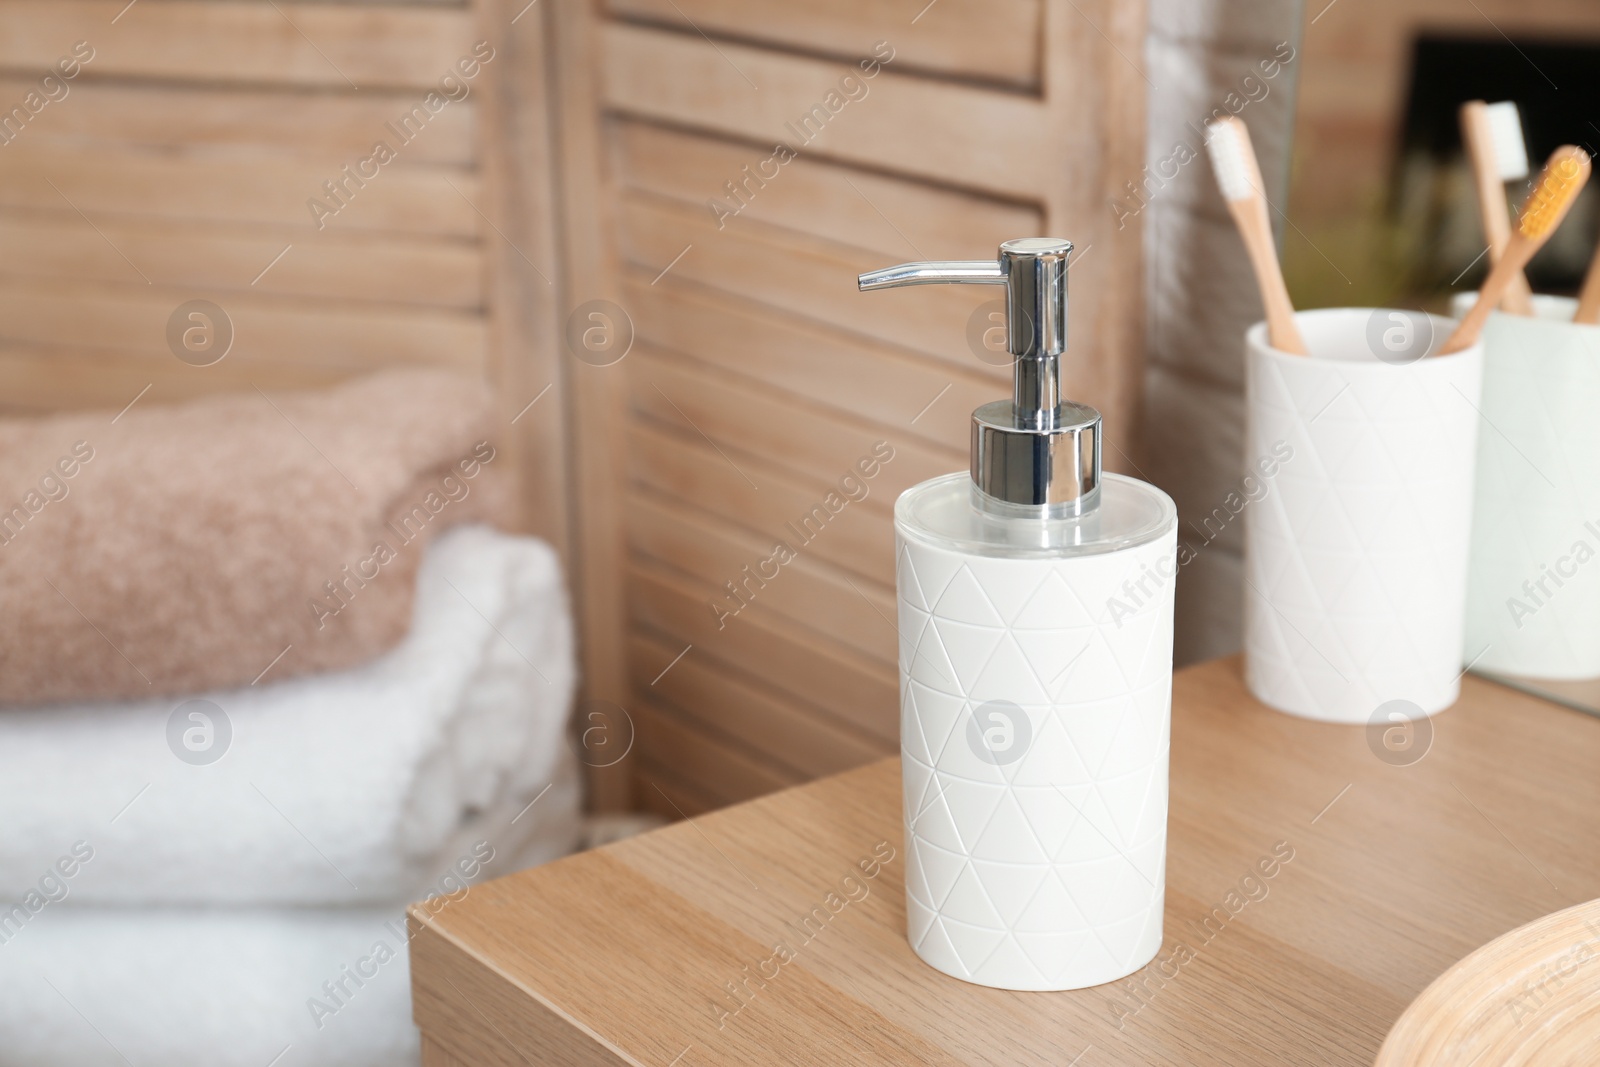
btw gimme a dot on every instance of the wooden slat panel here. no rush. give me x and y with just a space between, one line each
832 367
757 361
659 791
405 270
804 276
597 402
716 767
38 379
989 39
850 687
762 718
214 119
1091 142
520 266
401 198
804 591
893 217
285 42
860 538
809 440
950 133
133 320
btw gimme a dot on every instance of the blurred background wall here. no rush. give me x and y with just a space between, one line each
1383 205
1361 154
1229 56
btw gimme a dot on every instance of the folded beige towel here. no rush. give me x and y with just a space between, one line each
173 549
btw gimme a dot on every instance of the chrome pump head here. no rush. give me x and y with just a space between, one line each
1036 451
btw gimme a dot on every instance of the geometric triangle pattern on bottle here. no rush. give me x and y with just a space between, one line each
1035 724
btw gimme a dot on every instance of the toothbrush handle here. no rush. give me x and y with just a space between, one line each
1256 229
1492 209
1518 251
1589 296
1518 298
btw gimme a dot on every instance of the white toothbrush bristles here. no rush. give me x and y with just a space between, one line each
1505 137
1233 159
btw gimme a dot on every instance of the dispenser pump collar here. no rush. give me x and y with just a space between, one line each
1038 452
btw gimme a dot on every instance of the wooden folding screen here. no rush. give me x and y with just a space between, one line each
642 219
729 167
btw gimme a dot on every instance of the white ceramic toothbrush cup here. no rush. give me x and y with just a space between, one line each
1035 716
1356 560
1533 589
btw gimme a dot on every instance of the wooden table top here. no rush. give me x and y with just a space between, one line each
690 946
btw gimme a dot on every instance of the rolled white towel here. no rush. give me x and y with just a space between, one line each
350 786
195 987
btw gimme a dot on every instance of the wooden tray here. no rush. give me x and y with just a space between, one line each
1529 998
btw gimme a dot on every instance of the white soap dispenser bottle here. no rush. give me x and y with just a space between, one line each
1035 673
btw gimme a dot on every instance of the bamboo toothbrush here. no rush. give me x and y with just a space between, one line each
1558 186
1589 296
1492 135
1239 177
